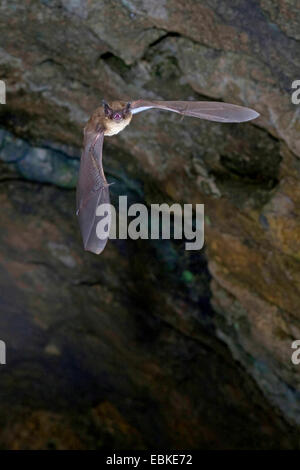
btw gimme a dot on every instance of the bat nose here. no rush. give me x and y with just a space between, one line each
117 116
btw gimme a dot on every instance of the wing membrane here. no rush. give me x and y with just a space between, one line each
92 191
210 110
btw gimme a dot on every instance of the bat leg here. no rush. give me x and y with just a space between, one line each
91 194
183 112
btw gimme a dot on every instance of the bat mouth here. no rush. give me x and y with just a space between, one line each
117 116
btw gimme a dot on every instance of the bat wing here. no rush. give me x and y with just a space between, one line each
210 110
92 191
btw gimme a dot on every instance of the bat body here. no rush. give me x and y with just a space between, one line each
110 119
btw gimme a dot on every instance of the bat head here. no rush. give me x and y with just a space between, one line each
117 111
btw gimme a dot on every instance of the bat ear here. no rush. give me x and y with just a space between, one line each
128 105
107 109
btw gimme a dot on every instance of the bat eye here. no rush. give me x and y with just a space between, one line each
117 116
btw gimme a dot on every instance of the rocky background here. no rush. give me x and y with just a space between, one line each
149 345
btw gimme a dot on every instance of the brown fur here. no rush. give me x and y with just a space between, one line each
99 121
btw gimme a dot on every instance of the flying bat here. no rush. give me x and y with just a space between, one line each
110 119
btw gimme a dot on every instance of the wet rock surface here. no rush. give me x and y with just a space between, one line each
149 345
